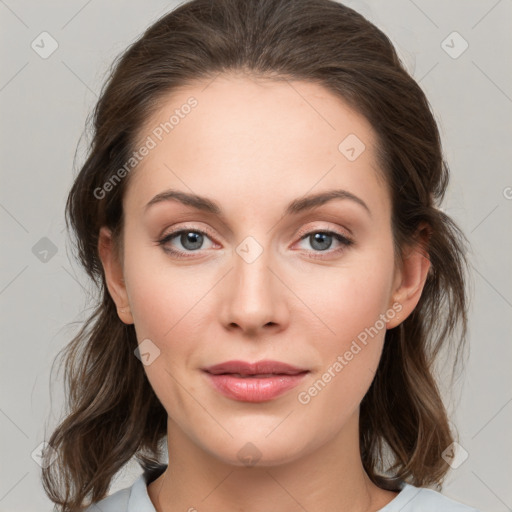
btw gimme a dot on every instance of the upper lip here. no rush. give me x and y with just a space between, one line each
257 368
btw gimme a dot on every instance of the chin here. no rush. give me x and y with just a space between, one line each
256 450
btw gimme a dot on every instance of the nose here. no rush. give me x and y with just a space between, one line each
254 299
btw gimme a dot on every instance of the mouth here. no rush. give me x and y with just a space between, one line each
254 382
257 375
261 369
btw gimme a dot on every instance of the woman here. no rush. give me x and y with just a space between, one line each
259 208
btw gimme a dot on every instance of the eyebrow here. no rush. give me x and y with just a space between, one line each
296 206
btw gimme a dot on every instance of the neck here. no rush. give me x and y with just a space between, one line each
329 476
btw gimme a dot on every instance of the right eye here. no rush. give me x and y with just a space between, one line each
191 240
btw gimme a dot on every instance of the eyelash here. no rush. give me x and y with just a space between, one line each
345 241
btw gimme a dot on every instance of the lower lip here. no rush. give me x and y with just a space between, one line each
254 389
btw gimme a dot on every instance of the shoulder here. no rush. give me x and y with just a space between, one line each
117 502
421 499
130 499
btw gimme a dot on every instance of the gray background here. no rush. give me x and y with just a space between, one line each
44 104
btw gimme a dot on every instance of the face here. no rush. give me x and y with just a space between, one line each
312 285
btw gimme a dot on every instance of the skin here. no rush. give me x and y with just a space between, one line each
254 145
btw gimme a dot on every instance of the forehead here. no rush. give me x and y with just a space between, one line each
239 133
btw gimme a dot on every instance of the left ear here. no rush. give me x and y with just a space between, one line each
410 279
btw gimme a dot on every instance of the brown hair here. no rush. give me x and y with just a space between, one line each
114 415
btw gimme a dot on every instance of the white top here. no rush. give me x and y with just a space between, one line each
409 499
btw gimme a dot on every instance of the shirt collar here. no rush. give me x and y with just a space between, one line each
139 498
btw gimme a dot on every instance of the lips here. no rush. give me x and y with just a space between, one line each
261 369
254 382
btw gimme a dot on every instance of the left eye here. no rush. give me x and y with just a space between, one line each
322 240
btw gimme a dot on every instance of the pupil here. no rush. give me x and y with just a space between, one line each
195 239
320 239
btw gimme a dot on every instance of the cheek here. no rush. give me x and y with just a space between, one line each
352 305
163 301
350 350
347 301
169 307
166 309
